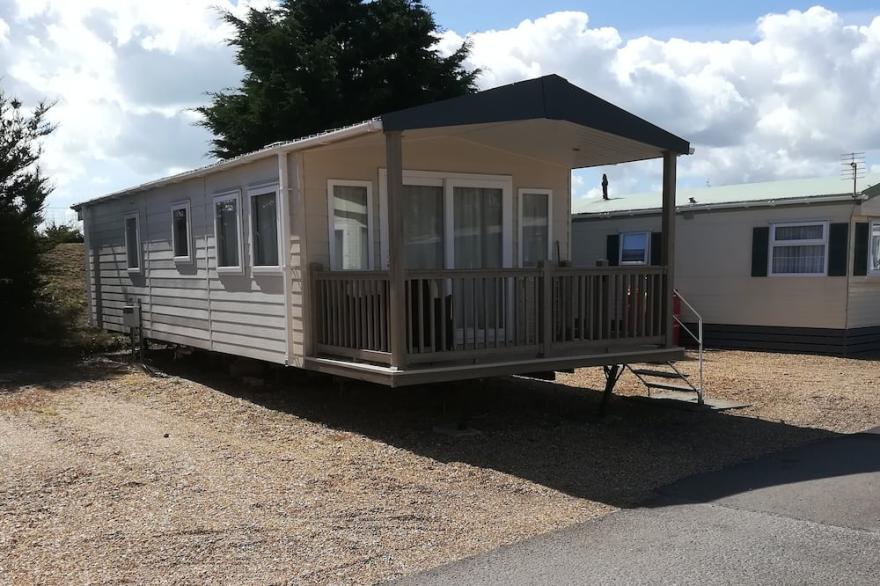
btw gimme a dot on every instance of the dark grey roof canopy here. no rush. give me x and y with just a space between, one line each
551 97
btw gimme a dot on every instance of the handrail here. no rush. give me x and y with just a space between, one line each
698 337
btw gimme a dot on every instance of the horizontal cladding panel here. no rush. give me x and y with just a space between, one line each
249 352
159 290
180 330
175 320
193 284
254 297
203 343
180 302
181 311
248 342
264 333
247 308
176 273
272 321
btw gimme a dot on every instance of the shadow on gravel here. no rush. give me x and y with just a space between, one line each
56 371
540 431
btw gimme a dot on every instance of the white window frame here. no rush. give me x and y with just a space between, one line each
520 195
815 241
872 224
252 192
450 180
184 205
140 251
331 219
234 195
647 260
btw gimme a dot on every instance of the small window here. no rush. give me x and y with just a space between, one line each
349 206
534 226
799 249
227 232
874 246
635 248
264 228
132 243
180 231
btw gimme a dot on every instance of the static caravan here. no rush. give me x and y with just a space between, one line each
428 244
784 265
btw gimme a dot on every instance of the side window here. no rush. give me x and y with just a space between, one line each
534 225
874 247
350 214
799 249
181 235
227 232
132 243
635 248
264 228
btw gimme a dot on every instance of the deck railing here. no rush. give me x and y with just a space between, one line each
462 314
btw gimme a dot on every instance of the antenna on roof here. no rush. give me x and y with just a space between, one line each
852 166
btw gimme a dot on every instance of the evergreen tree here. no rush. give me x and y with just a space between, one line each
23 191
318 64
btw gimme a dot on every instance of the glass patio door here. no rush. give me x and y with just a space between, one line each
477 228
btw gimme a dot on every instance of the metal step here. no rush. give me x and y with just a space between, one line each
666 387
659 373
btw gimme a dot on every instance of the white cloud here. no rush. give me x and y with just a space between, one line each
123 76
784 104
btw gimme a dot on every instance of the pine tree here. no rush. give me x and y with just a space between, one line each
23 192
318 64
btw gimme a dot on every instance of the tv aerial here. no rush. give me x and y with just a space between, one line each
852 168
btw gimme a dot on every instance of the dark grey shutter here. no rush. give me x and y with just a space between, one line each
838 241
860 249
760 242
612 249
656 248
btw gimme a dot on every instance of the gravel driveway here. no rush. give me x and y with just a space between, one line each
114 475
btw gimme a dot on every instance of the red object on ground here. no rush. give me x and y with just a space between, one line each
676 327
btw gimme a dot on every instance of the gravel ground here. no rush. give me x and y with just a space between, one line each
114 475
837 394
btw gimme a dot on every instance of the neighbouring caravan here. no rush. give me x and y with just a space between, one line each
786 265
419 246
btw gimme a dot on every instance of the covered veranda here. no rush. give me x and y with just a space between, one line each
403 325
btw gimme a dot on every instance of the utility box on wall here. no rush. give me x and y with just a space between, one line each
131 316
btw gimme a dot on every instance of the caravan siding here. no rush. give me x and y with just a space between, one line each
864 291
362 159
188 302
713 266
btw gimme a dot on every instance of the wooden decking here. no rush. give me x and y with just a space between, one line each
473 323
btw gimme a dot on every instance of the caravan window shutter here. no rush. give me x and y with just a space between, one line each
860 250
760 242
656 248
612 249
838 243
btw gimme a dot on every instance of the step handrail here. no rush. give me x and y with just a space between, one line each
698 337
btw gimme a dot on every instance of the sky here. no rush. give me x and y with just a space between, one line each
763 90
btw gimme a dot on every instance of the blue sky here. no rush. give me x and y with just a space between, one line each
706 20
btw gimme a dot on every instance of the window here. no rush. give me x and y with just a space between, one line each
534 222
132 243
227 232
874 245
423 233
180 231
264 227
477 227
799 249
635 248
350 210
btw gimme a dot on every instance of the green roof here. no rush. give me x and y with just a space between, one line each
730 195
